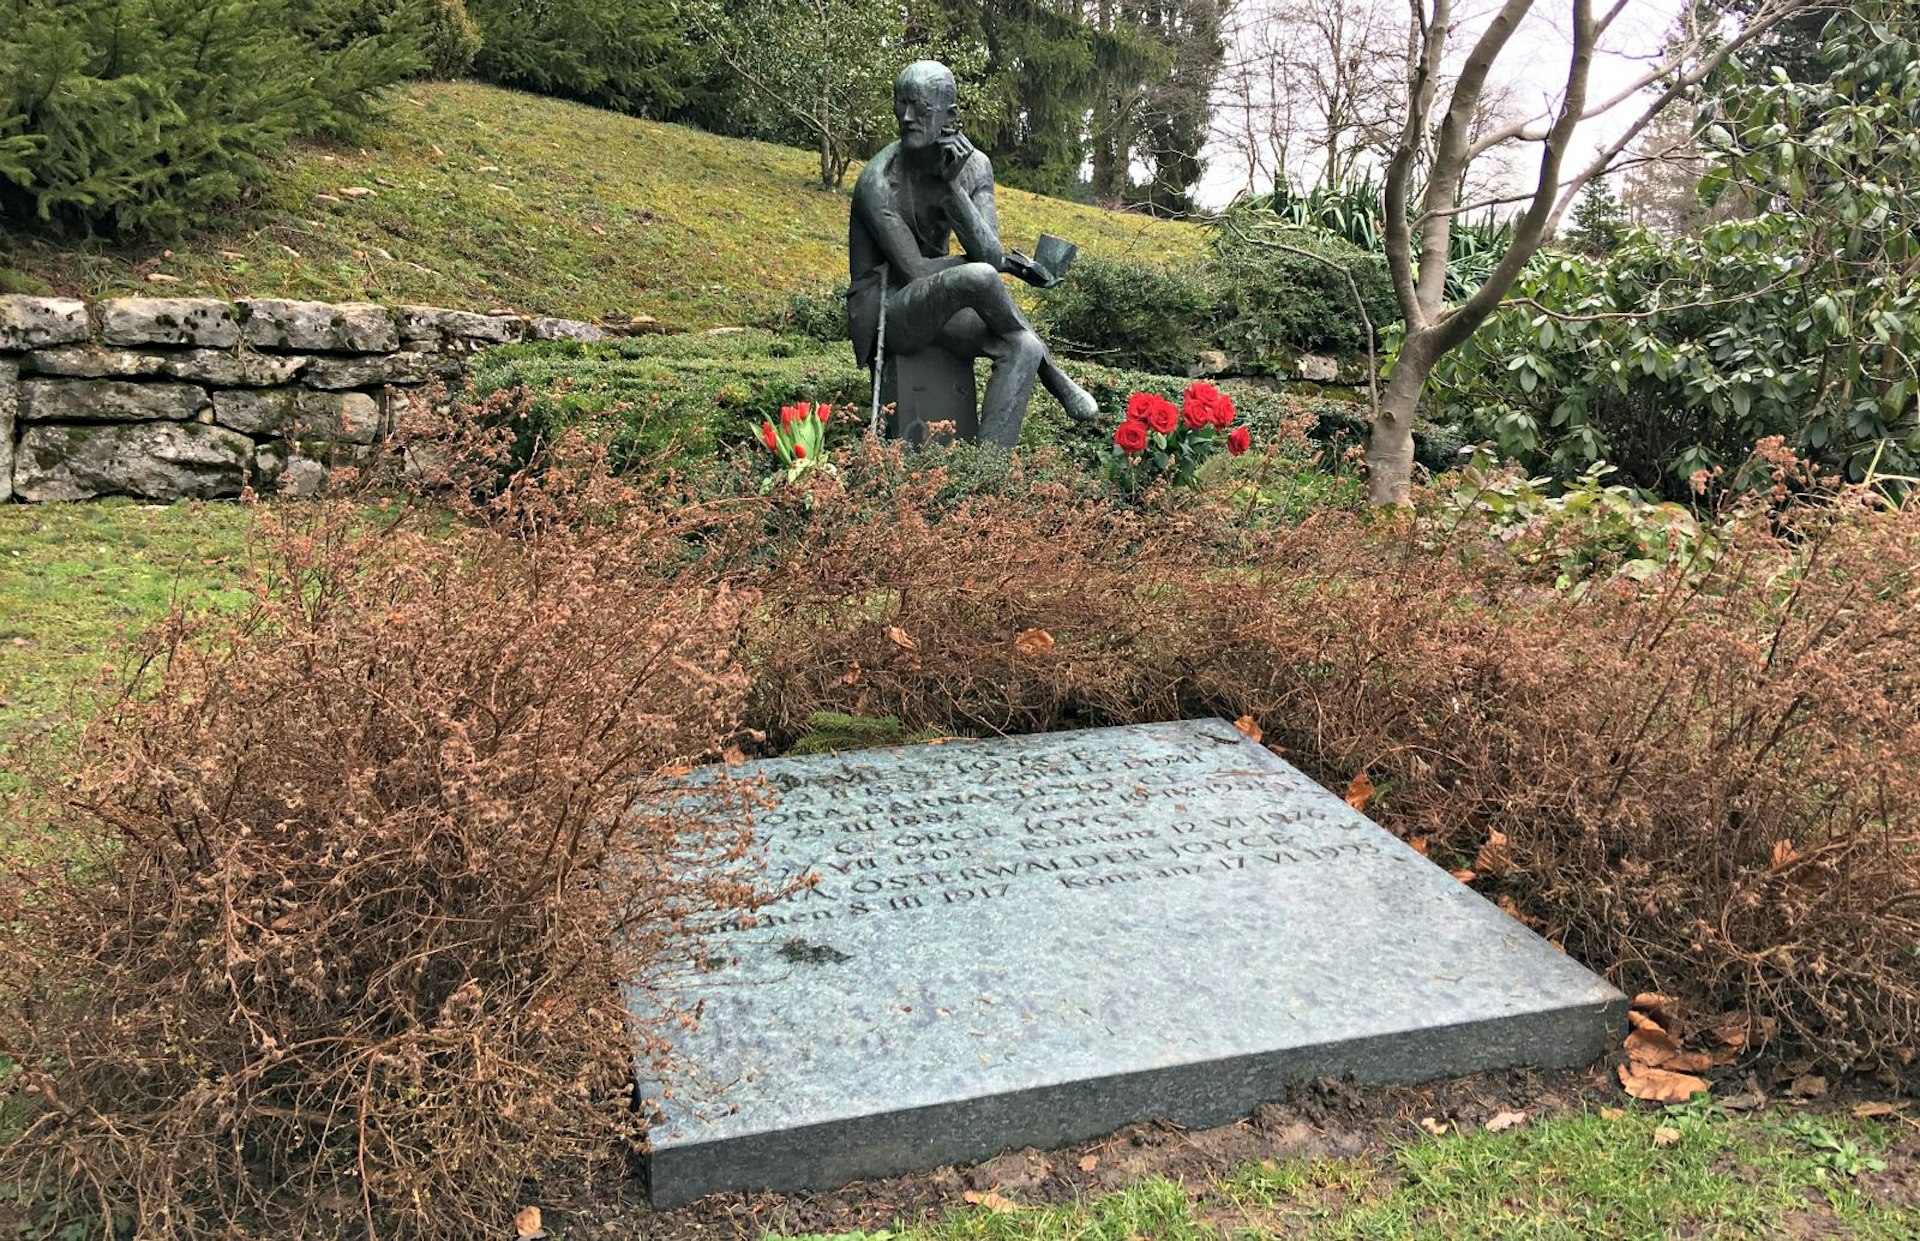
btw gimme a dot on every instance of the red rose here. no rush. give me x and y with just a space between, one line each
1199 404
1239 440
1137 406
1158 412
766 434
1223 412
1131 437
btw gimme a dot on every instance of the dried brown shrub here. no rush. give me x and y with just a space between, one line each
326 931
1645 749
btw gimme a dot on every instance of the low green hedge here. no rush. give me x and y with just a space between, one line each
696 395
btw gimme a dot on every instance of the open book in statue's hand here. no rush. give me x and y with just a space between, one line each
1018 264
1048 266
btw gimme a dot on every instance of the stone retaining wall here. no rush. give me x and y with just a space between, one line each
194 398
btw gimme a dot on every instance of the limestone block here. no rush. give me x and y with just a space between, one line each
152 460
344 327
9 410
280 469
225 369
93 362
1314 368
108 400
376 370
168 321
32 322
1209 363
297 414
564 329
437 328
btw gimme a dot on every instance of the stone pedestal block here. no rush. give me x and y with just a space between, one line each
928 389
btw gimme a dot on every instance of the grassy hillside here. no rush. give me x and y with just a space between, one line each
485 198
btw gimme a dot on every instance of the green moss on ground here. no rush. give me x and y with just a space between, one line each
484 198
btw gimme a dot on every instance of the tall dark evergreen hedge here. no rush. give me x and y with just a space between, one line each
136 117
624 54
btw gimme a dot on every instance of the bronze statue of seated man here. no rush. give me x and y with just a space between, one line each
911 199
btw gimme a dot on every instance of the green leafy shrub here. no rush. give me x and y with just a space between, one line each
816 315
694 394
1676 355
1586 531
624 54
1283 288
1126 314
134 117
451 39
1352 212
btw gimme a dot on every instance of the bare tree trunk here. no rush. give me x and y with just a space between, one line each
1419 220
1390 441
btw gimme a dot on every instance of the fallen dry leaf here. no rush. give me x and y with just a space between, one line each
1503 1121
1436 1127
1662 1008
1464 876
1867 1111
1359 791
526 1224
852 676
1783 853
899 638
1660 1085
1647 1044
356 191
993 1200
154 277
1089 1162
1808 1086
1250 726
1033 642
1419 845
1666 1135
1494 857
1611 1113
733 756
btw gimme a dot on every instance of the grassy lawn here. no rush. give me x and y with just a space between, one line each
1693 1172
483 198
78 580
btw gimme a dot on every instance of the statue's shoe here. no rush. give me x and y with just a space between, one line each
1080 406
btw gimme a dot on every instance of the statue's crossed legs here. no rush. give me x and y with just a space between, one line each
967 310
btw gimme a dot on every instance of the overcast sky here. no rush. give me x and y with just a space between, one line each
1534 64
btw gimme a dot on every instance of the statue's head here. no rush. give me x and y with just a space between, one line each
926 102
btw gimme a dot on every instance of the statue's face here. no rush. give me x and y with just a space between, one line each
925 110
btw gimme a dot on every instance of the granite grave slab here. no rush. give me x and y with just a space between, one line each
1037 940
